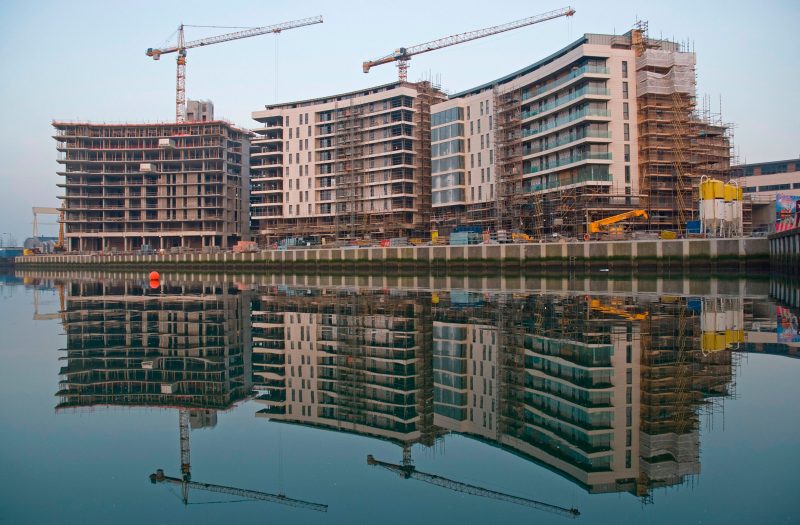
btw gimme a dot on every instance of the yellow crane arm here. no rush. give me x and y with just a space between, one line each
597 226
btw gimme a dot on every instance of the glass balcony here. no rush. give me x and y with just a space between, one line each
586 90
585 112
563 80
569 160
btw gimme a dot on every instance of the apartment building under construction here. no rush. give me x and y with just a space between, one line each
164 185
605 125
345 166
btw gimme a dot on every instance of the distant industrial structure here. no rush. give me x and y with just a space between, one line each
761 182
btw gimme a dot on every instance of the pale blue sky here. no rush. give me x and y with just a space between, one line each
85 60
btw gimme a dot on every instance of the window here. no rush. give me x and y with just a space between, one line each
628 180
625 111
482 175
479 159
627 152
490 122
626 132
488 174
624 90
471 128
624 69
481 141
467 112
481 108
290 131
479 125
447 116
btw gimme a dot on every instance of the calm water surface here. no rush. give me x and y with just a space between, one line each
261 399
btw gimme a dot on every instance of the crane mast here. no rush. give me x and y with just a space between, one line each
181 47
407 471
185 481
404 54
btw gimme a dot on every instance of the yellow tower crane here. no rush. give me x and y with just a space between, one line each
181 47
404 54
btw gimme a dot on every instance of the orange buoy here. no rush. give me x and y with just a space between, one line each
154 283
154 276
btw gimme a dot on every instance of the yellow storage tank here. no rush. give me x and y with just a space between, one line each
730 192
719 188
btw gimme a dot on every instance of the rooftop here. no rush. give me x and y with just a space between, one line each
588 38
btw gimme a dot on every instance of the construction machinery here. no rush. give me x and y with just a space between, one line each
403 55
407 470
614 309
181 47
185 481
607 225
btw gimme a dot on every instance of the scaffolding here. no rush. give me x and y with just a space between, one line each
348 172
508 159
677 144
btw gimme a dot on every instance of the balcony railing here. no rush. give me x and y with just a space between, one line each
569 160
586 112
576 179
586 90
575 73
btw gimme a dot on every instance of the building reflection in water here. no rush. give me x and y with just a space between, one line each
605 390
181 346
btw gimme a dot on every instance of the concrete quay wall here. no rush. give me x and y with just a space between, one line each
742 254
784 251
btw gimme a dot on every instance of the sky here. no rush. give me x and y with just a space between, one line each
85 60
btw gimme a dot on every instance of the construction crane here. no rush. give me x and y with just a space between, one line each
185 481
601 225
38 210
404 54
60 314
406 471
181 47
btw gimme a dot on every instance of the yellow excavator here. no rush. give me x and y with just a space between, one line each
607 225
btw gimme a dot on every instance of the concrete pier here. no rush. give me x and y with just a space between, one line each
740 254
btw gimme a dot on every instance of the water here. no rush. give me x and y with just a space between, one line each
643 401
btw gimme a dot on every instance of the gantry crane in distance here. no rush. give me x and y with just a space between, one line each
404 54
407 471
181 47
185 481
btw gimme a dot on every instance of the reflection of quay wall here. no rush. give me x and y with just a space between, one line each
344 361
605 285
183 346
605 398
737 253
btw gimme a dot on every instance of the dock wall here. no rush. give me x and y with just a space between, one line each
741 254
